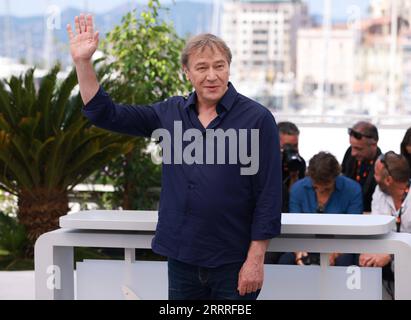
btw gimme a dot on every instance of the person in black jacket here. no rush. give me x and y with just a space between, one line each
359 160
293 165
406 146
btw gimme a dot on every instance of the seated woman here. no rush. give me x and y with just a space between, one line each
324 190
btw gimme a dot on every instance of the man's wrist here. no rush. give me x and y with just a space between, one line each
257 250
81 63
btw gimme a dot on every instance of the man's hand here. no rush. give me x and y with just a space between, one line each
381 260
299 256
84 43
333 257
366 260
374 260
251 276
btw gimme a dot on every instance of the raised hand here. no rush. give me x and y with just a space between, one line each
84 43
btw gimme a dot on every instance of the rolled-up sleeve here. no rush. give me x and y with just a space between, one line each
131 120
268 183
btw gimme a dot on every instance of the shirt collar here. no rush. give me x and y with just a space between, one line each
227 101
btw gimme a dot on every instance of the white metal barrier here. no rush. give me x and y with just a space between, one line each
54 267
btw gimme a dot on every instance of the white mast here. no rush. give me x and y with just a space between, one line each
215 24
49 25
392 102
323 87
29 47
7 31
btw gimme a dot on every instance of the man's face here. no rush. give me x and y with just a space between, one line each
290 140
208 71
362 149
379 176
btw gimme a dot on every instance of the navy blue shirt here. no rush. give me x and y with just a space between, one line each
209 213
346 198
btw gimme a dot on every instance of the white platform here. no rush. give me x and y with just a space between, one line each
17 285
292 223
300 232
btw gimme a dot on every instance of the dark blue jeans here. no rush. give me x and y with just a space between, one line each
188 282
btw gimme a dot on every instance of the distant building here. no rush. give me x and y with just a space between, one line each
358 62
262 36
382 8
378 62
335 66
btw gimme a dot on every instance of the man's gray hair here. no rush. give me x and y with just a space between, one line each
288 128
200 42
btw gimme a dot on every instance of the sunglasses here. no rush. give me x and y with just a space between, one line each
358 135
383 160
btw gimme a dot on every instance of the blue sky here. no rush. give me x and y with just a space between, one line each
38 7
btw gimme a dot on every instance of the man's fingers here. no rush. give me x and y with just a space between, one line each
96 35
369 262
254 287
70 32
247 288
250 289
241 290
89 24
83 26
242 287
77 24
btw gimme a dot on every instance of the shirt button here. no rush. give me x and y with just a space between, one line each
191 186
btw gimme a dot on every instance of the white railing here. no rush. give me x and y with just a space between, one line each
54 272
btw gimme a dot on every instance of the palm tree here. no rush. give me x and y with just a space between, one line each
47 147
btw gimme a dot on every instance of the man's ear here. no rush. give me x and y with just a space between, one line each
389 181
185 70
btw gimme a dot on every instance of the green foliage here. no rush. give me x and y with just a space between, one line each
144 59
47 147
7 203
13 244
136 178
45 141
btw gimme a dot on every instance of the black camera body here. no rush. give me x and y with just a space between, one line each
292 160
311 259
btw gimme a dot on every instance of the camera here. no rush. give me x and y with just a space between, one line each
292 159
311 259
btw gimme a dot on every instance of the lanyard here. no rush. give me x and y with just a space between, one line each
362 174
399 213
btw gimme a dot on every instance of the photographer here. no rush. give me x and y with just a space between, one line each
360 158
293 169
391 197
293 165
326 191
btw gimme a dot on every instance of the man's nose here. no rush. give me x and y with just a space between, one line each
211 74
